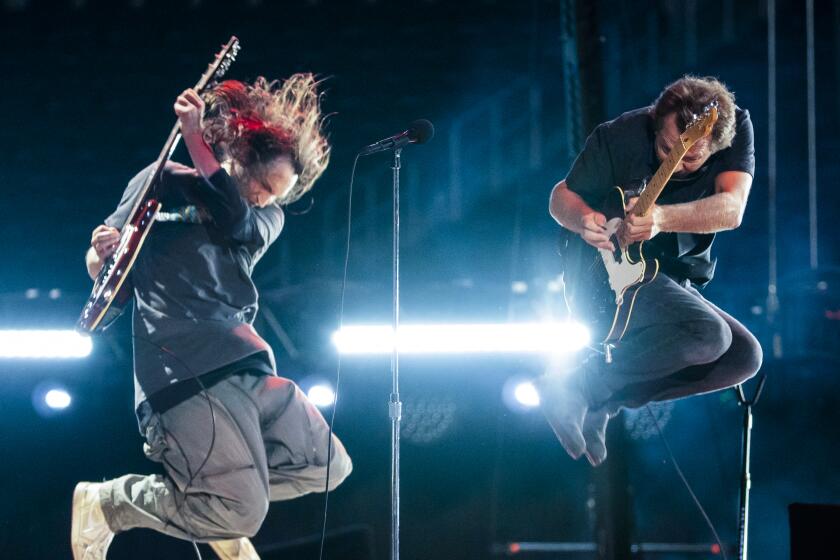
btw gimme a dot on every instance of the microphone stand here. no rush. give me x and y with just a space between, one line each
743 518
394 404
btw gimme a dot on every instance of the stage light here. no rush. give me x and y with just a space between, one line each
50 398
57 399
321 395
519 287
519 394
44 344
513 338
526 394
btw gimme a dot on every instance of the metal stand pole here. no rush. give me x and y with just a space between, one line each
812 134
394 404
743 519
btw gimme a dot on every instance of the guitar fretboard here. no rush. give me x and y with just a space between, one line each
660 179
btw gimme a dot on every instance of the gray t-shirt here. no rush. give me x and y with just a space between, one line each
194 300
622 151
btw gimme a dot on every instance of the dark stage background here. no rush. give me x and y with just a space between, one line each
513 88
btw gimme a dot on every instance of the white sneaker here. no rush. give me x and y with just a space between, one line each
595 433
564 406
235 549
90 535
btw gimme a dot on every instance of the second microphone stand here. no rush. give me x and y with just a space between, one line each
394 403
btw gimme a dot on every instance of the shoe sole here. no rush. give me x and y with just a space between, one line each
75 535
223 555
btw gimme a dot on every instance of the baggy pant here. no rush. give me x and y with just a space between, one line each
677 344
249 439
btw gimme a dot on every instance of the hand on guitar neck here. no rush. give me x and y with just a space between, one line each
190 110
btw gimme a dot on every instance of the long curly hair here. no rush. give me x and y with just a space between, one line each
253 124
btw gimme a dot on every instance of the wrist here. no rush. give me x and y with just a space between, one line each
660 218
192 132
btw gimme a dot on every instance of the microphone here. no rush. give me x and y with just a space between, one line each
418 132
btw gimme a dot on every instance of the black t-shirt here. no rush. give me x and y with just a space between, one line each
622 151
194 301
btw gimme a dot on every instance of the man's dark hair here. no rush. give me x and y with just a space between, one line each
688 96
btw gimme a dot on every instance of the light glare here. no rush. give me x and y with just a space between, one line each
57 399
542 338
44 344
526 394
321 395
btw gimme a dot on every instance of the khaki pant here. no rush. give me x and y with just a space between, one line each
268 443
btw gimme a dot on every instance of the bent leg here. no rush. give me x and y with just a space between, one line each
216 482
738 364
671 328
296 440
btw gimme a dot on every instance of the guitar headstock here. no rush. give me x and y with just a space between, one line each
700 126
225 57
221 64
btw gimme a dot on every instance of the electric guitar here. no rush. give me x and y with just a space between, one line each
601 285
110 292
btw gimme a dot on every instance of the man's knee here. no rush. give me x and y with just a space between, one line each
249 517
706 340
341 465
749 356
240 505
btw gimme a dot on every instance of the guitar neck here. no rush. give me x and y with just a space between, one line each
657 183
171 143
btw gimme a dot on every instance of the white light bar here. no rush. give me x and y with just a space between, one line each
43 344
500 338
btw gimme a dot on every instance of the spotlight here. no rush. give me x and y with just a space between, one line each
526 394
57 399
519 287
51 398
520 394
44 344
321 395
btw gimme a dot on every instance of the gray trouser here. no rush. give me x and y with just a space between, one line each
268 443
677 344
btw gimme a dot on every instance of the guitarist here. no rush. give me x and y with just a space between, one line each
230 434
677 342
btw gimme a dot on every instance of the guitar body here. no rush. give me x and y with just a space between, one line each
110 294
601 286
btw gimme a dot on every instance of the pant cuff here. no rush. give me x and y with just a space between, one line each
109 509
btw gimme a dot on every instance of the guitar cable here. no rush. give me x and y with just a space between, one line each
678 470
685 481
206 395
338 365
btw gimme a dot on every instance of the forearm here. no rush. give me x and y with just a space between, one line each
568 208
201 155
719 212
219 195
93 263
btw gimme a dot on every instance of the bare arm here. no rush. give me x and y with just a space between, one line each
190 107
571 212
720 212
